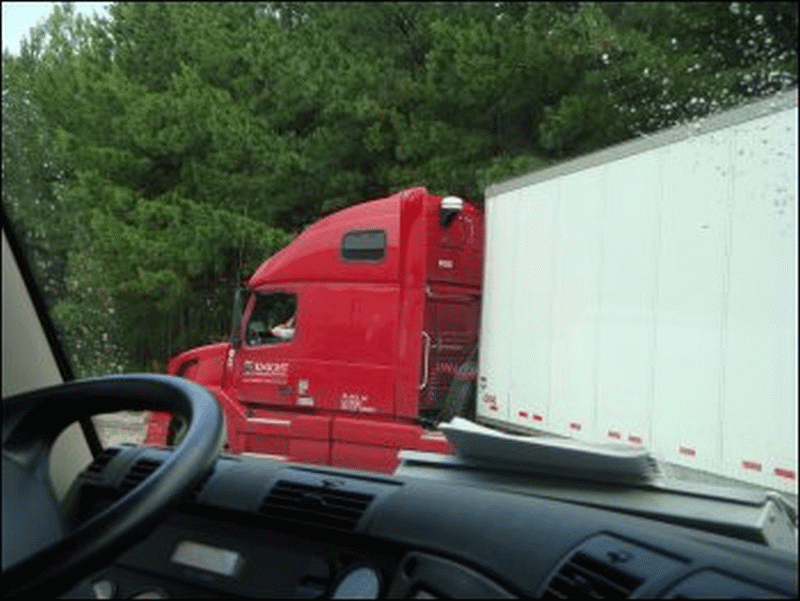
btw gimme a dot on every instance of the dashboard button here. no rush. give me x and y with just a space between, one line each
104 589
618 556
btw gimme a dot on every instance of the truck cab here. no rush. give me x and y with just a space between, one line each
351 335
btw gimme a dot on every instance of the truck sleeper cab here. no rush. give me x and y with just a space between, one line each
351 335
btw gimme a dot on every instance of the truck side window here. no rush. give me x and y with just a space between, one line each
364 245
272 320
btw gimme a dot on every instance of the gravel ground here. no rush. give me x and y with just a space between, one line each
125 426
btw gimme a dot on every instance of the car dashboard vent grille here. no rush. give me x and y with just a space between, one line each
138 473
95 470
584 576
316 505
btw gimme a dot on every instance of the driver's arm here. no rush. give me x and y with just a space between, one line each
285 330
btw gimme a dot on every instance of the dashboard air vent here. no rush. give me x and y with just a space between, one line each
140 470
94 472
584 576
318 505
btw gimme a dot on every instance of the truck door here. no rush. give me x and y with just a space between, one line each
263 366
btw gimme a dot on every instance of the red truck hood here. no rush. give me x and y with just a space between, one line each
204 364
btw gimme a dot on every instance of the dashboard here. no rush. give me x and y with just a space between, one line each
263 528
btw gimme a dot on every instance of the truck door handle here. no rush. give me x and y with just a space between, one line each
425 359
285 390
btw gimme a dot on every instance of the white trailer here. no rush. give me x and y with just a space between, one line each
647 294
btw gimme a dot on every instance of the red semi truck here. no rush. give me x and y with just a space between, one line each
352 337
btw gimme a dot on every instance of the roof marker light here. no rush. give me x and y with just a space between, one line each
450 207
453 203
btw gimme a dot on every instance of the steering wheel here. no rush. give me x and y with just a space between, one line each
38 555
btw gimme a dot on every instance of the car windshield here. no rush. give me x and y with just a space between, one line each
193 186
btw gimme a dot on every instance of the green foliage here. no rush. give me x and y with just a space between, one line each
162 260
658 64
154 158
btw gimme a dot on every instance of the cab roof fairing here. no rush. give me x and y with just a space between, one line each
315 254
